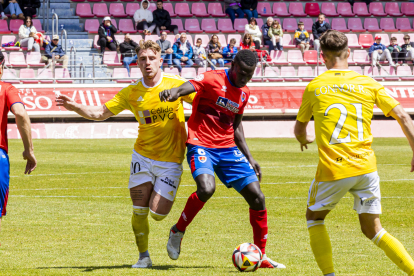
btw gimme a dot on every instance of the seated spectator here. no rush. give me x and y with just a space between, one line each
54 48
143 18
407 49
249 7
127 49
27 35
166 50
254 31
379 52
230 51
162 20
318 28
302 37
12 7
247 44
395 50
106 34
233 7
29 7
3 16
265 32
366 1
276 34
214 52
182 52
40 39
199 53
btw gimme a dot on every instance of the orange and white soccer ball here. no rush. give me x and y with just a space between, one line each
247 257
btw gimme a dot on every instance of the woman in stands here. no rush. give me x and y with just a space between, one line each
248 44
276 34
106 34
27 35
215 51
254 31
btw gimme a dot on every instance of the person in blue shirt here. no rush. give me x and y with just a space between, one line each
54 47
379 52
230 51
182 52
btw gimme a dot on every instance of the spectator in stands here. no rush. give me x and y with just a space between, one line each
3 16
249 7
302 37
183 52
254 31
366 1
265 32
106 34
214 51
166 49
54 48
143 18
395 50
12 7
247 44
232 8
199 53
29 7
318 28
407 49
27 35
162 20
379 52
127 49
230 51
276 34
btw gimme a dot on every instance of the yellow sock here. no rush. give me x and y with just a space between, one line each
394 250
321 245
140 226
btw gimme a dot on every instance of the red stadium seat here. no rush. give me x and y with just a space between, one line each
199 10
6 59
345 9
117 10
34 58
83 10
173 71
353 41
280 9
296 9
225 25
127 0
339 24
15 25
152 37
290 25
355 25
179 23
361 9
258 73
223 41
216 10
45 75
389 73
100 10
200 70
288 42
312 9
308 24
4 28
392 9
366 40
38 25
17 59
131 8
192 26
235 36
407 8
126 26
400 38
9 38
371 24
205 39
168 7
183 10
152 7
295 57
385 39
136 73
92 26
329 9
209 25
9 74
272 74
62 73
311 57
306 71
121 73
289 71
28 74
403 25
189 73
111 58
376 9
387 24
356 69
405 73
239 24
361 57
278 58
261 6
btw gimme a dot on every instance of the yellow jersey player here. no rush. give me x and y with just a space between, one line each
341 102
159 150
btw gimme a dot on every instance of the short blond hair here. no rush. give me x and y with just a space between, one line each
149 44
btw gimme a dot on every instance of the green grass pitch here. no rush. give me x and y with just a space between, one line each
72 216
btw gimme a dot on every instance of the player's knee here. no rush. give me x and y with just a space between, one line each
258 202
156 216
206 192
368 231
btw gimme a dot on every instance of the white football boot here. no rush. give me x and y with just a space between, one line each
143 263
174 243
268 263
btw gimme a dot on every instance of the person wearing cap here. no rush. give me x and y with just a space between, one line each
302 37
27 35
318 28
379 52
106 34
54 48
143 18
407 49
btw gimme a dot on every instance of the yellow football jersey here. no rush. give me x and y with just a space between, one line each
342 102
161 133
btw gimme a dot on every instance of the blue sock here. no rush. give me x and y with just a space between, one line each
143 254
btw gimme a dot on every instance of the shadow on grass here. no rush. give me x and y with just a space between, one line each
93 268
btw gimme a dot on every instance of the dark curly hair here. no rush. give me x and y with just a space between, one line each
246 56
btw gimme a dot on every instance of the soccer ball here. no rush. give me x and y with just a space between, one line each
247 257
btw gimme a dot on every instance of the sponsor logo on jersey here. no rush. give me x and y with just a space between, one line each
224 89
199 77
243 97
237 153
140 99
202 159
156 115
169 182
201 152
227 104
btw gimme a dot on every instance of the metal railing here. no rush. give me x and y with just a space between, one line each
53 25
82 72
72 58
64 37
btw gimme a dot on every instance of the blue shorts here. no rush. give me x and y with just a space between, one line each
230 165
4 181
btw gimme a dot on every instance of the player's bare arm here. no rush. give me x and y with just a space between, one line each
23 124
240 141
302 136
96 113
171 95
399 114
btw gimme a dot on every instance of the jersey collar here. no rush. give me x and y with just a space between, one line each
339 70
158 83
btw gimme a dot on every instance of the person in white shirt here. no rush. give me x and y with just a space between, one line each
254 31
199 51
143 18
27 33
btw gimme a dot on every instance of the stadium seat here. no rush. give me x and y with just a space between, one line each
237 37
288 42
215 10
189 73
33 59
62 73
387 24
400 38
45 75
371 24
173 71
389 73
339 24
223 41
289 71
199 10
113 21
345 9
329 9
183 10
28 74
311 57
239 24
258 73
356 69
290 25
204 38
225 25
312 9
200 70
280 9
372 71
261 6
385 39
271 74
209 25
405 73
360 57
6 59
152 7
15 25
192 26
121 73
168 7
152 37
136 73
10 74
4 28
353 41
130 8
126 26
127 1
361 9
117 10
296 9
7 39
295 57
83 10
120 38
366 40
92 26
392 9
305 71
403 25
407 8
17 59
308 22
100 10
355 25
278 58
376 9
38 25
321 69
179 24
111 58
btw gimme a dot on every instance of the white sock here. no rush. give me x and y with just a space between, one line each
330 274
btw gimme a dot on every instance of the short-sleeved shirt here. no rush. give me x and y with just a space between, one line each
9 95
161 132
342 102
214 109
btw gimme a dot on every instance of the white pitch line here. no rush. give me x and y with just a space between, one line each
32 175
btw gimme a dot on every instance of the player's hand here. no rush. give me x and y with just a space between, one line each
256 168
31 161
66 102
308 140
168 96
